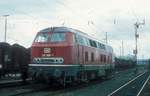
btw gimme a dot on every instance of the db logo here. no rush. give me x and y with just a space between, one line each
47 50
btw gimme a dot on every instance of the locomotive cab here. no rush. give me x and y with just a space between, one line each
50 47
50 51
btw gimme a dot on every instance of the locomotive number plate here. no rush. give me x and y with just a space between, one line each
0 66
47 50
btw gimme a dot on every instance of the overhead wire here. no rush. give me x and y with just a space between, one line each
81 16
89 22
132 11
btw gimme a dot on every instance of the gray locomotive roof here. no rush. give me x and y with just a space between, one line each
62 29
66 29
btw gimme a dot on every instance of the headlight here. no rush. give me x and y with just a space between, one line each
48 60
0 66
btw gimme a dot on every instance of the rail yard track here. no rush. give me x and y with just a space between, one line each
133 87
32 89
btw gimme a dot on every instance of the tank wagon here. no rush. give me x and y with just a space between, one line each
65 55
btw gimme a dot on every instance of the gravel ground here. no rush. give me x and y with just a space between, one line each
12 91
102 88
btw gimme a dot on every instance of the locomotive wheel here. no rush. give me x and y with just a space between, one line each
62 81
83 77
92 75
109 74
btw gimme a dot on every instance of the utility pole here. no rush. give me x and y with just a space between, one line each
63 23
122 48
120 51
137 25
5 36
106 38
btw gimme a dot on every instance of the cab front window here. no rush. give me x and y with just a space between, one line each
57 37
54 37
42 38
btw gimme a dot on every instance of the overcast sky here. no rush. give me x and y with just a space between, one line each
116 17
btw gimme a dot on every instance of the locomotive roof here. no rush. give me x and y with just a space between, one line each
67 29
62 29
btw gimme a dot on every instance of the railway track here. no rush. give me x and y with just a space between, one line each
52 91
46 90
29 89
22 90
145 90
133 87
12 83
64 91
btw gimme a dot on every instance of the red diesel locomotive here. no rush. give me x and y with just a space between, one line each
66 55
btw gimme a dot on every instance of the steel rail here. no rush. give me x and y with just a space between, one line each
143 86
125 84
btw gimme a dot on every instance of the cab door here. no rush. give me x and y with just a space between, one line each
80 49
